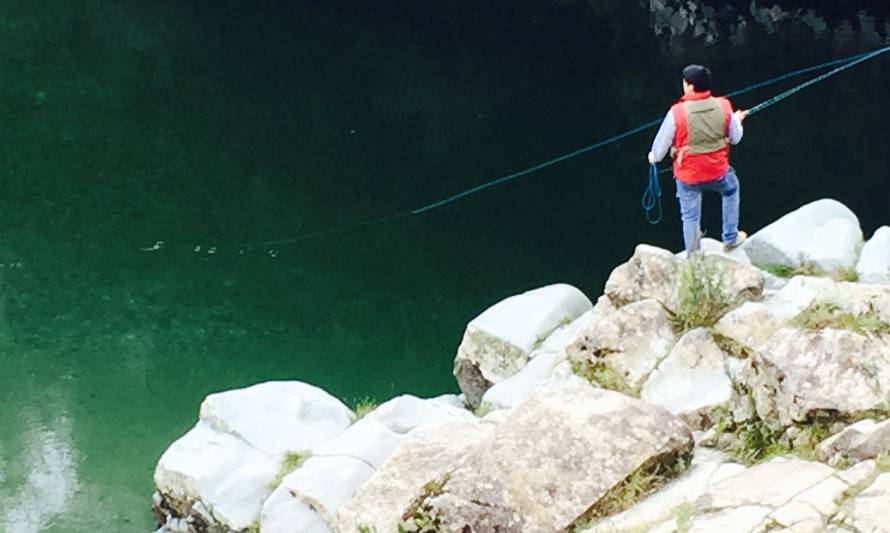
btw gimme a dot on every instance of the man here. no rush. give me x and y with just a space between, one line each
698 131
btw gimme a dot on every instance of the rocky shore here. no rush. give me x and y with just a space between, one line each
742 392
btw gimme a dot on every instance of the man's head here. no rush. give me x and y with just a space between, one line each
696 78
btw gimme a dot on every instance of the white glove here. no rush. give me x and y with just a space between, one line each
652 159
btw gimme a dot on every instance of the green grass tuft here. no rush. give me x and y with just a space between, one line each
882 460
701 296
642 482
605 376
483 409
420 517
824 315
291 462
809 269
364 406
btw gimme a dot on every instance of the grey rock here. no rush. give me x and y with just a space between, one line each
860 441
548 463
428 454
629 343
799 373
653 273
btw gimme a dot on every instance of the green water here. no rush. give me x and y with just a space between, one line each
208 124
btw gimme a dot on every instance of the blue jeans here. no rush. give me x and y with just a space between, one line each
690 208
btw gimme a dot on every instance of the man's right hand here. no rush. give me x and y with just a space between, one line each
651 158
740 114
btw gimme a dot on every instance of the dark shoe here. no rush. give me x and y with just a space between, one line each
739 239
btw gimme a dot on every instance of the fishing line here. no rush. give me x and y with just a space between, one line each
651 200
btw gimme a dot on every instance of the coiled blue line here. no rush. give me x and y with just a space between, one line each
651 200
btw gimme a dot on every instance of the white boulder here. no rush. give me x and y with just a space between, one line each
836 245
427 454
868 510
874 260
788 240
498 343
693 380
625 346
219 472
307 499
513 390
406 413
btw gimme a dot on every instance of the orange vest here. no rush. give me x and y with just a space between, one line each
701 141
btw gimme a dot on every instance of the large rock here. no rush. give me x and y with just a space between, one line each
868 511
874 260
654 273
835 246
218 474
429 453
710 246
406 413
782 493
497 343
512 391
693 380
860 441
549 463
753 323
625 346
799 373
676 498
307 500
799 237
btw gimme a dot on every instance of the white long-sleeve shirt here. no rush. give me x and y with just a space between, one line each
664 139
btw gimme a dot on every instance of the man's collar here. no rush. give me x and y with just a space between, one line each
696 96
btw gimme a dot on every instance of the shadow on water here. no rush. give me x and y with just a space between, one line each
207 124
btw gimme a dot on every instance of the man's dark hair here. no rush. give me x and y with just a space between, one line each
699 77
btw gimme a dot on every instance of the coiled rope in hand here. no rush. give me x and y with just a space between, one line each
652 196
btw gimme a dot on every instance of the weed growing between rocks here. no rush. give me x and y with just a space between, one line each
809 269
882 461
683 517
645 480
603 375
291 462
420 517
701 296
363 407
823 315
730 346
483 409
540 339
751 441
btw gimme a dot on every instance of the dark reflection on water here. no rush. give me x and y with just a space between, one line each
214 123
